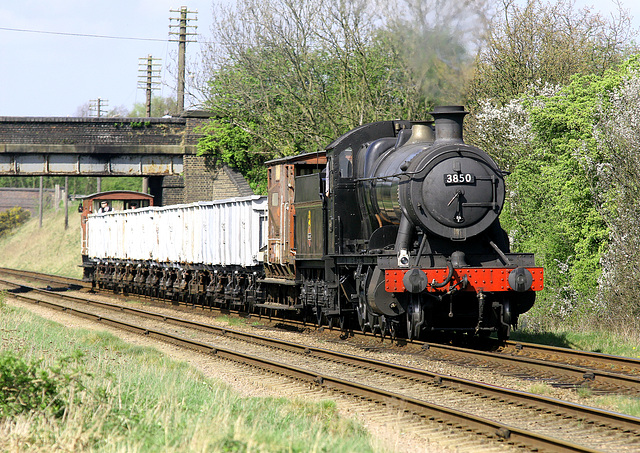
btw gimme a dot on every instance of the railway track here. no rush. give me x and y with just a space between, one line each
68 282
558 367
534 421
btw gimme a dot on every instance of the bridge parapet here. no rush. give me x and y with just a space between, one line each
96 146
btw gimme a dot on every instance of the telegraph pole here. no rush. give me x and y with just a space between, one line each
98 105
148 73
184 36
41 203
66 202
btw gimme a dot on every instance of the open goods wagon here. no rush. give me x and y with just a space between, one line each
216 233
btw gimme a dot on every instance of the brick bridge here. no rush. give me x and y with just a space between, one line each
162 148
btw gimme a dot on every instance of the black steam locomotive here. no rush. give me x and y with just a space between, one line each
394 229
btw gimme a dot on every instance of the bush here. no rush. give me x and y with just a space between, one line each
27 387
573 191
12 218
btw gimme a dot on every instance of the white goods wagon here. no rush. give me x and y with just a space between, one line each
229 232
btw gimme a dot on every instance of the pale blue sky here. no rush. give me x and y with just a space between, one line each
54 74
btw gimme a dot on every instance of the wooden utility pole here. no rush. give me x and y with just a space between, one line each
98 105
66 202
148 75
41 198
184 36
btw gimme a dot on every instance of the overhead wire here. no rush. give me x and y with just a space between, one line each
83 35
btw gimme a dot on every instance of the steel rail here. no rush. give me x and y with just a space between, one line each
487 427
605 360
44 277
579 375
609 418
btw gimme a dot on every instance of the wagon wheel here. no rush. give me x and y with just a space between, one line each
338 322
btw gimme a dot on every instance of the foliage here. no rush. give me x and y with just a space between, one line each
549 42
291 76
615 185
546 141
540 79
80 185
122 183
12 218
160 106
28 387
230 144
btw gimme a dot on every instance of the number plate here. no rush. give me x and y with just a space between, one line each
459 178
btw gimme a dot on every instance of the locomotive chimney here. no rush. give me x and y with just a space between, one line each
448 122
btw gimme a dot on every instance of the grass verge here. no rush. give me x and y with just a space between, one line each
594 341
120 397
50 249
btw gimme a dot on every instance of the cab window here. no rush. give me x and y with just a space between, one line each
346 163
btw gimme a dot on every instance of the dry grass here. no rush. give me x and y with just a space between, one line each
50 249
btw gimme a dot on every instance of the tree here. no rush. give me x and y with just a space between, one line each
546 43
570 153
85 111
539 79
160 106
12 218
293 75
437 41
616 188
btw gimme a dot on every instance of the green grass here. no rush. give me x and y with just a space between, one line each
604 342
617 403
232 321
622 404
136 399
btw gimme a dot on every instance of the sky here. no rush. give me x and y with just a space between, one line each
47 69
53 74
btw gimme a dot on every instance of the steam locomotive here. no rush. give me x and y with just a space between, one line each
393 229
